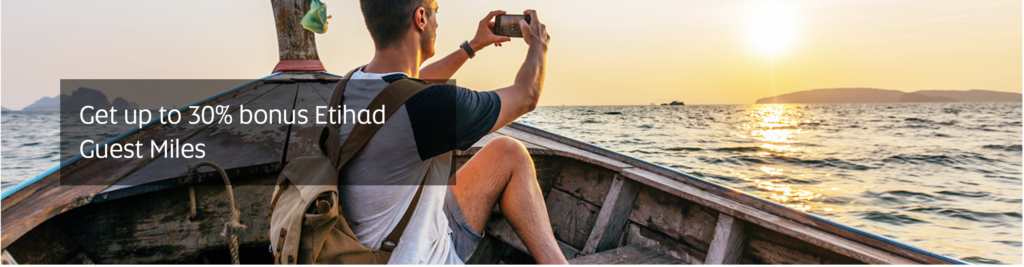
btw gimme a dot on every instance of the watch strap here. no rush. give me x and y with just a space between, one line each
469 49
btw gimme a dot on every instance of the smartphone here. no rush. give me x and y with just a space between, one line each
508 25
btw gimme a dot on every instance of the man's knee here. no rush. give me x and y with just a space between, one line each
508 147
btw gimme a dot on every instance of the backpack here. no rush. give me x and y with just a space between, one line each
307 226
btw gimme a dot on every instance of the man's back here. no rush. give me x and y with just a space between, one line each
414 144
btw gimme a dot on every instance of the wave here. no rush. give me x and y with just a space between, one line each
904 193
919 159
966 214
740 149
980 260
641 151
683 149
1002 147
804 163
977 194
892 217
900 197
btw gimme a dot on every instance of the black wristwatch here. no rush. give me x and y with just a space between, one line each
469 49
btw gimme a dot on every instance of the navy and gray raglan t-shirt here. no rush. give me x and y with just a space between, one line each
378 184
446 117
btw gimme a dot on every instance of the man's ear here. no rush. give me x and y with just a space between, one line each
420 19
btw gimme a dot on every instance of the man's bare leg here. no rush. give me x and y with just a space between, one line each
503 171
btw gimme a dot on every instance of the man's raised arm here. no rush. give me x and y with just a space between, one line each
522 96
446 67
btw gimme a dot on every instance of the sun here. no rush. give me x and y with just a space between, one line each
771 28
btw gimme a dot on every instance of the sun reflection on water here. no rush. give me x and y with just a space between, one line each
778 148
777 127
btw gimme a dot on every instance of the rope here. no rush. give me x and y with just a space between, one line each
232 225
192 202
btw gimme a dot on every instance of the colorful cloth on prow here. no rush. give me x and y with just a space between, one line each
315 19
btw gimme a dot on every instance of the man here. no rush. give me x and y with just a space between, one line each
416 143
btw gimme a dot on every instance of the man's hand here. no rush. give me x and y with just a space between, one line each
535 33
523 95
485 33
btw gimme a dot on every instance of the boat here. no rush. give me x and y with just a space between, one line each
605 207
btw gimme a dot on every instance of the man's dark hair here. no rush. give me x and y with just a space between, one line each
388 20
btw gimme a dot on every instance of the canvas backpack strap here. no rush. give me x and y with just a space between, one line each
339 90
281 186
329 136
392 97
391 241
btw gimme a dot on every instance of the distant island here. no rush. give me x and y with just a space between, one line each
2 108
873 95
45 103
79 98
674 103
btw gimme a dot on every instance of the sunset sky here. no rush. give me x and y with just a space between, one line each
601 53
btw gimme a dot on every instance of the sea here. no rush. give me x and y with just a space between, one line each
944 177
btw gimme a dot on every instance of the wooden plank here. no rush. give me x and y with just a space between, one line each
769 247
548 169
46 198
674 217
48 243
585 181
628 255
81 258
564 150
303 139
618 204
638 235
770 221
499 228
231 146
6 259
155 228
728 243
325 89
772 253
571 218
739 197
43 205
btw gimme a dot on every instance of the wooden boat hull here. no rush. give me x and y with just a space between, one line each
605 208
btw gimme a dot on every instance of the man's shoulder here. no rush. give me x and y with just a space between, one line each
437 95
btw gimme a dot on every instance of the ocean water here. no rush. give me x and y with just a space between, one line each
945 177
29 145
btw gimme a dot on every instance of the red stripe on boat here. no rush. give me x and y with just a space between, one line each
299 65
